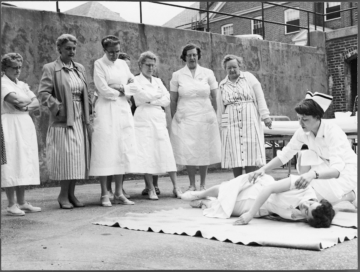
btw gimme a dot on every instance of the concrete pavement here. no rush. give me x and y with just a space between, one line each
56 239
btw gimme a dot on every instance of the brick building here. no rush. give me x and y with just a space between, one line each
340 27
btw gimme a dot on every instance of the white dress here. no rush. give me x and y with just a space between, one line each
21 146
113 147
155 154
237 196
196 137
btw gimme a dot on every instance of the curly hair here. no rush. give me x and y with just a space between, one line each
147 55
9 58
322 215
188 47
240 61
309 107
109 40
64 38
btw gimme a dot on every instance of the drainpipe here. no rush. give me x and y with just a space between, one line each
351 15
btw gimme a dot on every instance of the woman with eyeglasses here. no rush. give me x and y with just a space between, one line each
113 142
155 154
21 167
195 133
63 90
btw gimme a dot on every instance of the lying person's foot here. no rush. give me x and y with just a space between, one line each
27 207
191 188
177 192
200 203
244 219
121 199
190 195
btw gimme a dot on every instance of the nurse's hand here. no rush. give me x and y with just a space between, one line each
244 219
304 180
253 176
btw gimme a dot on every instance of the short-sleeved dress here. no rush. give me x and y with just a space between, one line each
237 196
22 167
155 154
195 134
113 147
242 137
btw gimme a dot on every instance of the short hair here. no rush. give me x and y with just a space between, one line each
64 38
322 215
124 56
109 40
9 58
309 107
188 47
240 61
147 55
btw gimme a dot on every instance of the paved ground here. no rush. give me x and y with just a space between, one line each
66 240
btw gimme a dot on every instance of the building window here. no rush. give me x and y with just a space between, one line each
257 26
292 16
331 7
227 29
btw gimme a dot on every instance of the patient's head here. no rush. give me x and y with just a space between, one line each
321 215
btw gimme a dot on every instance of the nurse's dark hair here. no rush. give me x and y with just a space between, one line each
188 47
309 107
109 40
322 215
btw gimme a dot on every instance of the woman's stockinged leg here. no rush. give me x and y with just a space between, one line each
118 185
173 179
149 181
191 173
108 183
63 197
20 194
203 172
10 194
103 181
72 198
213 192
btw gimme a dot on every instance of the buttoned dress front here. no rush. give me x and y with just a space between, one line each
155 154
195 135
330 148
22 167
113 140
242 137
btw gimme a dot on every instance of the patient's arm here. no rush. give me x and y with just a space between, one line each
273 188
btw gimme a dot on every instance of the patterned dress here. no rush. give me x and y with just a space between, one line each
66 147
3 151
240 133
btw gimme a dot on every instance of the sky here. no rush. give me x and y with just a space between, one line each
152 14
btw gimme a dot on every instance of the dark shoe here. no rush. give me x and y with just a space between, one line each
77 204
157 190
145 191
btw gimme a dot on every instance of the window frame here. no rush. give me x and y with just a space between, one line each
327 20
258 18
285 21
227 25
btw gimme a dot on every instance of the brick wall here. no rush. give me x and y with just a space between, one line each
336 50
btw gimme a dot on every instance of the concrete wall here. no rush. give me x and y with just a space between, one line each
285 71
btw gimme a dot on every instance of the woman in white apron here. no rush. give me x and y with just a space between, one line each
330 164
155 154
241 107
195 134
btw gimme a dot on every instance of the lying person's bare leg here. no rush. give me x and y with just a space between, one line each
194 195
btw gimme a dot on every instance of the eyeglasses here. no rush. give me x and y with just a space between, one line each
150 65
113 53
192 55
16 68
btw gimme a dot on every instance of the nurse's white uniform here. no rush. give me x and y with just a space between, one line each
195 134
155 154
113 148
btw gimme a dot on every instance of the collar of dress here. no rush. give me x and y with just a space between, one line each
226 79
9 81
198 70
320 133
144 80
107 61
60 65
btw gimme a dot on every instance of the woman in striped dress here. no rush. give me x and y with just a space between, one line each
241 108
63 90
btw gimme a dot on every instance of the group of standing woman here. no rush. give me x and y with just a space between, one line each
211 123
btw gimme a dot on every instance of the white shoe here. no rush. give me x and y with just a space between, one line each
27 207
190 195
105 201
14 210
111 195
152 195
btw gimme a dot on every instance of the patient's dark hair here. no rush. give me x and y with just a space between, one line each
322 215
309 107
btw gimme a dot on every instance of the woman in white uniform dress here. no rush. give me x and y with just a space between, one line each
155 154
22 167
330 164
195 133
113 141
